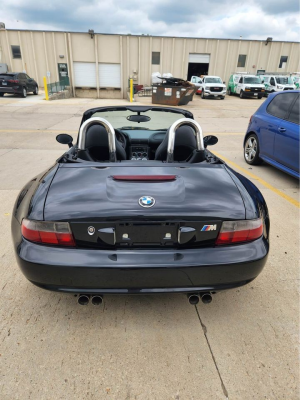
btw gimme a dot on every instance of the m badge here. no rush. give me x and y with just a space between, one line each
206 228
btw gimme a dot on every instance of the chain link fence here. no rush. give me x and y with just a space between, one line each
58 86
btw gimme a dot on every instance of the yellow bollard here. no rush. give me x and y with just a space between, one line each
46 88
131 90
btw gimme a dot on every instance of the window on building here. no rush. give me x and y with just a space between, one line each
283 61
242 60
16 51
155 57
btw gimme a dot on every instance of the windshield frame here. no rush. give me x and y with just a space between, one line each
252 83
217 80
278 78
89 113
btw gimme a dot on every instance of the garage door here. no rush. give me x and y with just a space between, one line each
85 74
110 75
199 58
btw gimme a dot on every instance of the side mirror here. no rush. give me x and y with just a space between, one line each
262 81
64 138
224 82
210 140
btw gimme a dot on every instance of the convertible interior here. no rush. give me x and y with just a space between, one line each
139 134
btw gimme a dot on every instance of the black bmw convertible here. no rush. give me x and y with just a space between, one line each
139 205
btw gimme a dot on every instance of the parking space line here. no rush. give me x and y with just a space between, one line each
260 180
37 130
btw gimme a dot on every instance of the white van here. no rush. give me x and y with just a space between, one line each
245 85
296 79
277 83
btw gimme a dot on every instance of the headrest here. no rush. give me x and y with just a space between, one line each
96 136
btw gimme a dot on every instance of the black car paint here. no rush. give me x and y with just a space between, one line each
66 192
17 88
181 198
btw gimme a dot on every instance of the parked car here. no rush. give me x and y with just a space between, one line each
273 133
196 80
139 205
245 85
212 86
277 83
17 83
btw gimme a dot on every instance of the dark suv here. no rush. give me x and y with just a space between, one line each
17 83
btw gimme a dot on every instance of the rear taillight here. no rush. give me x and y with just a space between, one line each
240 231
13 81
55 233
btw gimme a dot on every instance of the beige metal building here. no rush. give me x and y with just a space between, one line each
99 65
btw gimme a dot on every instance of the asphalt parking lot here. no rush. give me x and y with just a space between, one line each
244 345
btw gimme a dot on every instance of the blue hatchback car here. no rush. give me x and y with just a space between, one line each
273 133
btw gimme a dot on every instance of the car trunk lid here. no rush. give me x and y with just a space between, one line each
190 202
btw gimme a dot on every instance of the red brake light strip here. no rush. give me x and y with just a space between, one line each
144 178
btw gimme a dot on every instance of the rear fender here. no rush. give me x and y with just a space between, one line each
255 204
31 200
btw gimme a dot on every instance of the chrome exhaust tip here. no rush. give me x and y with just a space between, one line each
206 298
97 300
193 298
83 299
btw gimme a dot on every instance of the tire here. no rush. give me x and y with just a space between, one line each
1 94
222 97
241 94
251 150
259 97
24 92
229 92
36 90
202 95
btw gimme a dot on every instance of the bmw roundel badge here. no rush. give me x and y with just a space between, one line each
146 201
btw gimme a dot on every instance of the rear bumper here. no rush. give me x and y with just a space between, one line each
141 271
4 89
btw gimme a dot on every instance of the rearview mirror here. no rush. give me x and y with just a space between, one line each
64 138
210 140
138 118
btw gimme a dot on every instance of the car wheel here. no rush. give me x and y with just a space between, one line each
260 97
202 95
241 94
1 94
251 150
229 92
222 97
24 92
36 90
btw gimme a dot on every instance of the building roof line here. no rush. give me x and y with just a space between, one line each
155 36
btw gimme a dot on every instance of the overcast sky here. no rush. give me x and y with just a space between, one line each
251 19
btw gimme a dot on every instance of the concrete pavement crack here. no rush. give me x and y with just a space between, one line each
8 151
212 354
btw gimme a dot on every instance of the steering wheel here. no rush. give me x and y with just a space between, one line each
121 138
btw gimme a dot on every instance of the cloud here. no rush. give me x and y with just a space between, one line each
218 19
273 7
